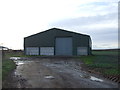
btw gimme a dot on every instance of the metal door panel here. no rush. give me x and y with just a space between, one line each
32 51
46 50
63 46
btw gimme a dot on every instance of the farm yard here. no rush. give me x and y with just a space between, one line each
71 44
61 72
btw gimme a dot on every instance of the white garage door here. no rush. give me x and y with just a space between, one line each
46 50
32 51
82 51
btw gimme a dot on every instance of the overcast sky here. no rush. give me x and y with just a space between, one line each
97 18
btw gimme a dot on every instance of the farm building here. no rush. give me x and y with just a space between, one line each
57 42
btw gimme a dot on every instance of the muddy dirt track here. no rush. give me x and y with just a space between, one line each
53 73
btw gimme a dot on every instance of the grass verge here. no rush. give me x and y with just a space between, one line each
104 62
7 67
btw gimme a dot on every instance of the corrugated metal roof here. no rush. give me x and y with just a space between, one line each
59 30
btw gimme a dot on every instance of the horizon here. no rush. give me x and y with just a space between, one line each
92 48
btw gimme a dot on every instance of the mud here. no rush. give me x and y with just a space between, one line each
53 73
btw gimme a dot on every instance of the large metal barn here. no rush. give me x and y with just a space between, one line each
58 42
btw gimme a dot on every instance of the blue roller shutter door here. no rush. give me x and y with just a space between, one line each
63 46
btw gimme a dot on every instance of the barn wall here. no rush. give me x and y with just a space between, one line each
47 39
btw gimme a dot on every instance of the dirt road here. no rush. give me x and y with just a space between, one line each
53 73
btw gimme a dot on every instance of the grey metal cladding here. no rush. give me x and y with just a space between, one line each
47 39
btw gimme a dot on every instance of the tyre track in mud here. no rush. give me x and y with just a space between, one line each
53 73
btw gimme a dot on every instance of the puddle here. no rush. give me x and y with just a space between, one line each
19 62
96 79
92 78
18 58
49 77
85 76
81 75
15 58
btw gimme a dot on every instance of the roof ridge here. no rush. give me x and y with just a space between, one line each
57 29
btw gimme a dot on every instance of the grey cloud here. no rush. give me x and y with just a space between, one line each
84 21
104 35
98 8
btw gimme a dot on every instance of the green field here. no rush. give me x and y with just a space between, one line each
103 61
